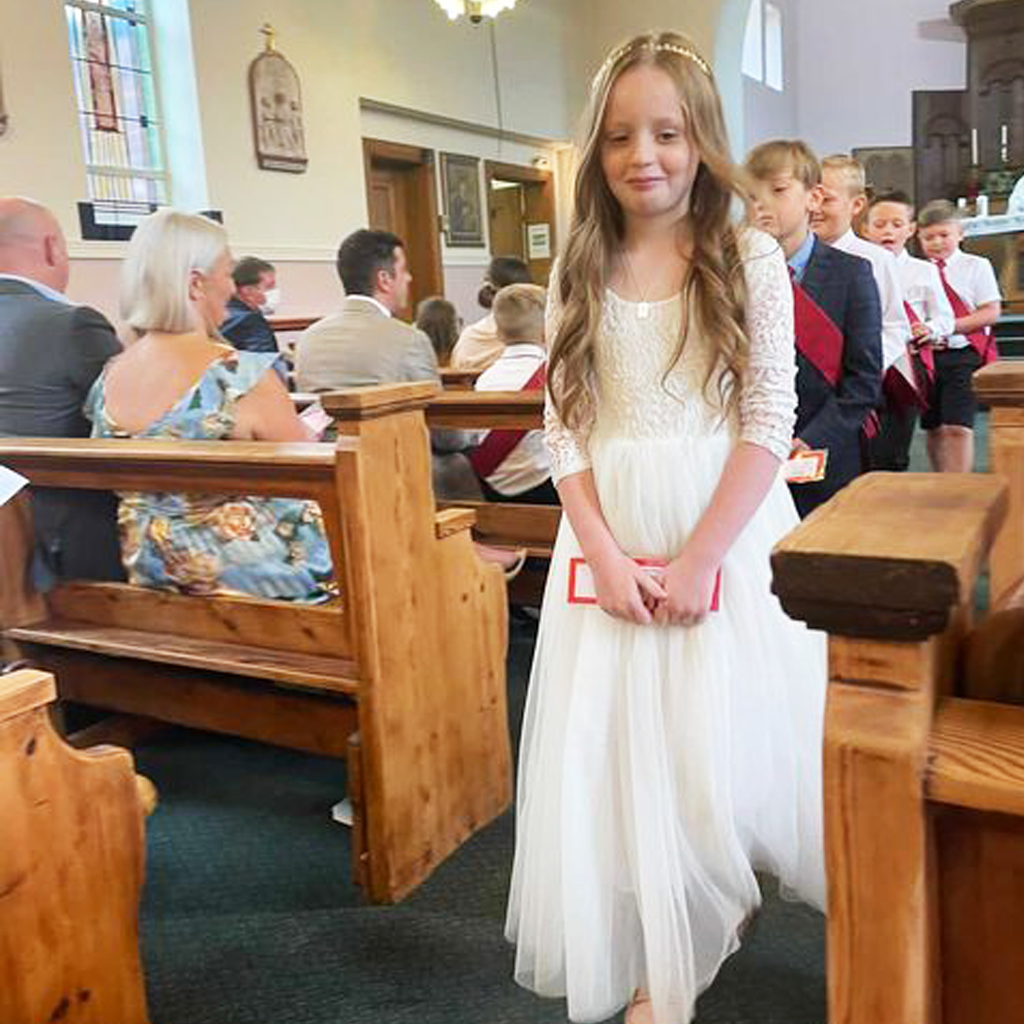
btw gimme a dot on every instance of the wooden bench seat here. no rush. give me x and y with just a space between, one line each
403 673
285 667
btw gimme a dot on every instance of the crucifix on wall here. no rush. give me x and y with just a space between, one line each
276 97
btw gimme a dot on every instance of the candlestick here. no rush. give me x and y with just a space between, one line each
974 147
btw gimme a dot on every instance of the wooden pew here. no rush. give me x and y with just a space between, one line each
403 674
71 870
458 380
504 524
923 783
1000 386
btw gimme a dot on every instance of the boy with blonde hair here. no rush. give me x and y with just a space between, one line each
513 465
890 223
843 198
836 312
973 292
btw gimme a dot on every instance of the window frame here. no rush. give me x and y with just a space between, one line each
765 18
142 18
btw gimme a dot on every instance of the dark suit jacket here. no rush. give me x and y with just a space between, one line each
826 417
50 353
247 328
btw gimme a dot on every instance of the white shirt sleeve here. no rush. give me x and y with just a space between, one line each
568 448
767 402
985 287
895 323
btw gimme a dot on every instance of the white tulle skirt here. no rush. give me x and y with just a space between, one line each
660 766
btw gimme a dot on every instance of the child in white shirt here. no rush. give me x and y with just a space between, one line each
973 292
890 223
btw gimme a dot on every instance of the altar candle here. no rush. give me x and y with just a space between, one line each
1004 143
974 147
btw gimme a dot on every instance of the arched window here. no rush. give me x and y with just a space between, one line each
762 44
118 114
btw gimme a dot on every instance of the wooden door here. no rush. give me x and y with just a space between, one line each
506 216
401 198
536 210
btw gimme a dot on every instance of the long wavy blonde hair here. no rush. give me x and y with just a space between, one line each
713 291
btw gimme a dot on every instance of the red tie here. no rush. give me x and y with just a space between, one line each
981 340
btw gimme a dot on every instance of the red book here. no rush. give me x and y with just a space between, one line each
581 581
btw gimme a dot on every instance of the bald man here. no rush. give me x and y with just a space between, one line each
50 353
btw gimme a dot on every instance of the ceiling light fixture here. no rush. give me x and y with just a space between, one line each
476 9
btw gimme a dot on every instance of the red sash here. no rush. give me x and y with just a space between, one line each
924 352
820 342
496 446
818 339
982 341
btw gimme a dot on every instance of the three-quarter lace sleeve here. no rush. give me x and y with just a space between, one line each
567 447
768 398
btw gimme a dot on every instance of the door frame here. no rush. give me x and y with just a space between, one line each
523 176
423 246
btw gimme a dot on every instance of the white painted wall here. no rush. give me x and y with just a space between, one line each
860 60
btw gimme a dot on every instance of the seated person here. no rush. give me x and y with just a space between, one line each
179 380
365 343
513 465
50 353
245 325
478 345
438 319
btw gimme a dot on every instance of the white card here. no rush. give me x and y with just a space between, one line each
10 484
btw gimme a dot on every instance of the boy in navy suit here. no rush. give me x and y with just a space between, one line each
838 318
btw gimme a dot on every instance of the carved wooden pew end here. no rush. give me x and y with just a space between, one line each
411 656
71 869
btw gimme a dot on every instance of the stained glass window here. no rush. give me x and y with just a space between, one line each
118 113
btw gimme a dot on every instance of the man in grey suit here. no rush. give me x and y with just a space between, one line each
51 351
366 344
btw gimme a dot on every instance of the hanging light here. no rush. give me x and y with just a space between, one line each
476 9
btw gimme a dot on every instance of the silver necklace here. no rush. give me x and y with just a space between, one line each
643 309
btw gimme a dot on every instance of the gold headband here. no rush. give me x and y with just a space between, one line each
683 51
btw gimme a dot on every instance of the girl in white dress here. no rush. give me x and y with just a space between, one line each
669 749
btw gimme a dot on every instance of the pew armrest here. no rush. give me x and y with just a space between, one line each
449 521
891 556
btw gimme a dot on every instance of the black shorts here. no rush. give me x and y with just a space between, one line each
951 399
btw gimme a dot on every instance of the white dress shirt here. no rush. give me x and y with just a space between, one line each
923 292
974 280
369 298
895 323
527 465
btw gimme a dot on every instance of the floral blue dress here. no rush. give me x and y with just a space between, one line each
211 544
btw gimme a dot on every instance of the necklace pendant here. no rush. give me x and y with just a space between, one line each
643 310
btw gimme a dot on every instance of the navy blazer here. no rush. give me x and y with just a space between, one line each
831 417
247 328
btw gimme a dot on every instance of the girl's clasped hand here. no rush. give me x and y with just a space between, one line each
681 594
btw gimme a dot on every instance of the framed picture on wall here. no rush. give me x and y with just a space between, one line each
888 168
463 207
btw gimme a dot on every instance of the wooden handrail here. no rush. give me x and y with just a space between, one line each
891 556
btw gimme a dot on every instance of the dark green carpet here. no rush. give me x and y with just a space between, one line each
249 915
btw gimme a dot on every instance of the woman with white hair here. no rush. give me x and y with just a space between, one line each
180 380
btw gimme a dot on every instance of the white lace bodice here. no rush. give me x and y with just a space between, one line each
635 398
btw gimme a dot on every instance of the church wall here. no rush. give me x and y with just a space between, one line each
404 52
860 60
767 113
